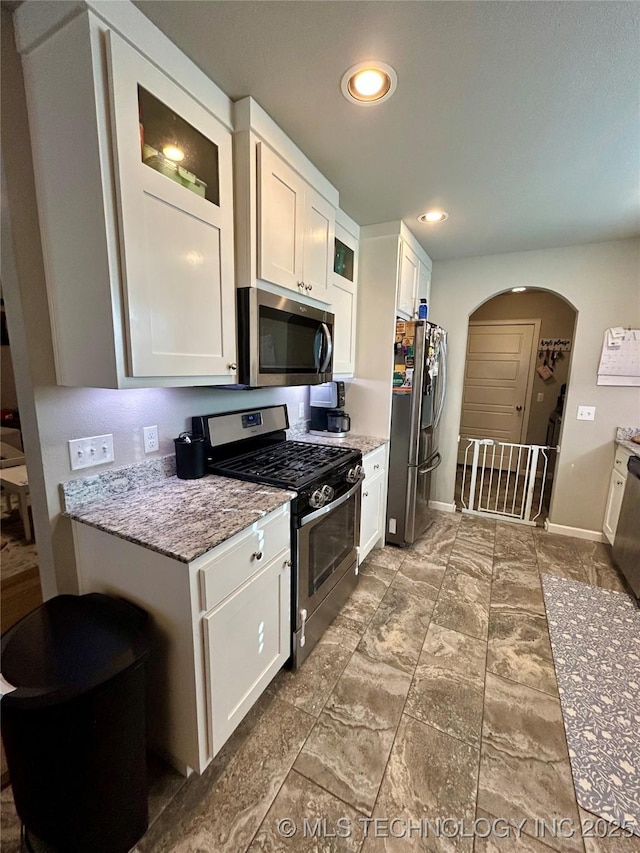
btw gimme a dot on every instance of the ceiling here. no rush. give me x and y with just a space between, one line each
521 119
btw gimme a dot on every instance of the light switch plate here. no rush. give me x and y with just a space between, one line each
300 411
540 397
586 413
87 452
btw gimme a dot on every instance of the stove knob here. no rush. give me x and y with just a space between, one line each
317 499
354 474
328 492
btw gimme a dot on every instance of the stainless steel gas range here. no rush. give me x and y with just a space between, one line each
325 515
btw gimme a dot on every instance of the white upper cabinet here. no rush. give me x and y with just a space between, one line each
281 220
408 284
296 227
343 294
424 281
174 189
137 237
285 210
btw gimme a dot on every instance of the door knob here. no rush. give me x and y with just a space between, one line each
301 284
232 366
308 287
518 408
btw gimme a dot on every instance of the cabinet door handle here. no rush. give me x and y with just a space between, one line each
287 564
257 555
375 467
365 494
301 284
518 408
308 287
619 483
232 366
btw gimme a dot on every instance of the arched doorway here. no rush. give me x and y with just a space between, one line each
518 356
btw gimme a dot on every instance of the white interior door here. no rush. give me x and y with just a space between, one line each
497 382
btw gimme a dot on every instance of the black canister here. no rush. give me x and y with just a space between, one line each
191 457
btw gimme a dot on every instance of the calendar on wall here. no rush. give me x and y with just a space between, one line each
620 358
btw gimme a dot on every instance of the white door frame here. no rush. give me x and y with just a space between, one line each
532 361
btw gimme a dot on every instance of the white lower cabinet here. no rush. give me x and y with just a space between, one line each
247 641
616 491
374 501
220 627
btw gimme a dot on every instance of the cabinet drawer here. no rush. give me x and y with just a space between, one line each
621 459
374 462
234 563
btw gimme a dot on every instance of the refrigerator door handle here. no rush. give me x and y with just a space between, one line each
442 380
427 467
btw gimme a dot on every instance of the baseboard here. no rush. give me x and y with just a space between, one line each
442 506
576 532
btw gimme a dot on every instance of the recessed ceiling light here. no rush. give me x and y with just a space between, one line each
369 82
518 289
432 216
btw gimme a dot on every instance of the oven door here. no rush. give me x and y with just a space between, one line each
283 341
327 547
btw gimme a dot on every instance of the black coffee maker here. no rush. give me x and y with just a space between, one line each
326 403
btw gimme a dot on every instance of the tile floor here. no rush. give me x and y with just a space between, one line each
433 695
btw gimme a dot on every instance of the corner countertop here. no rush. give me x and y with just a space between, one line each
182 519
363 443
624 436
631 446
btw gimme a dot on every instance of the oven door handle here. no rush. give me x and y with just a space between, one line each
333 505
329 342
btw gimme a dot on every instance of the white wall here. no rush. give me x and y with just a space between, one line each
602 281
51 414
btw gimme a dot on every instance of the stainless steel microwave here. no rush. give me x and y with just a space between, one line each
282 341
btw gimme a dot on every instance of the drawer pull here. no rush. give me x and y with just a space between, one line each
619 483
257 555
375 467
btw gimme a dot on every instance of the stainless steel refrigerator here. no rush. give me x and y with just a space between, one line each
413 453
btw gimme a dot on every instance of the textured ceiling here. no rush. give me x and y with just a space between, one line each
521 119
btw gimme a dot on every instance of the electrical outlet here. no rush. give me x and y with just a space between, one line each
540 397
300 411
87 452
150 439
586 413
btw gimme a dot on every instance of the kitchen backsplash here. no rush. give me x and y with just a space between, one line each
117 481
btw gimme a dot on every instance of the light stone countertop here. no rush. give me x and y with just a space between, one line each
182 519
623 436
364 443
629 445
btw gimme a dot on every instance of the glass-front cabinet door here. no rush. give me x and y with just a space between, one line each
174 182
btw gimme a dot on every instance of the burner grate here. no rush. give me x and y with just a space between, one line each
288 463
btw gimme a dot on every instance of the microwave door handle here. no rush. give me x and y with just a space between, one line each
329 341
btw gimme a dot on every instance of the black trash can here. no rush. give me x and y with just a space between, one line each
74 727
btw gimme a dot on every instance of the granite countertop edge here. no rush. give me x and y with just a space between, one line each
182 519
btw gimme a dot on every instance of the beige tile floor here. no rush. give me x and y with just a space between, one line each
433 695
